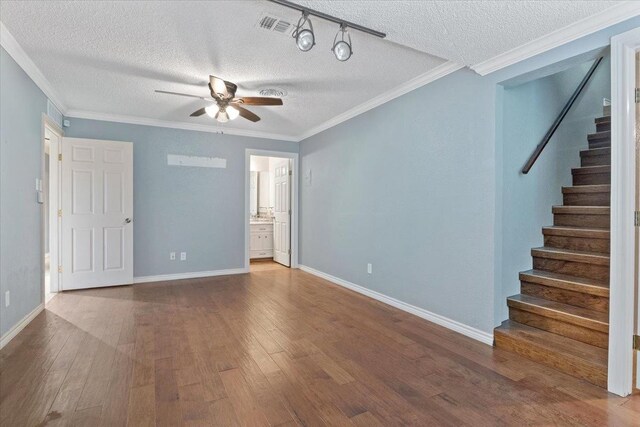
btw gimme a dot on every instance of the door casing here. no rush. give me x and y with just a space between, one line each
294 201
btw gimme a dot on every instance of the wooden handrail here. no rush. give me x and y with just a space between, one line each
536 153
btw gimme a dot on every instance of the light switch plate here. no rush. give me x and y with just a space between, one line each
183 256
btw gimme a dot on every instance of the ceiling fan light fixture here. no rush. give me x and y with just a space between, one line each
212 110
232 112
305 38
222 116
342 49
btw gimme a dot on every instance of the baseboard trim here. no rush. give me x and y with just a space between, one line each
192 275
454 325
11 333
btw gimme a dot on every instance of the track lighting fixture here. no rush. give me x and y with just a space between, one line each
342 48
305 38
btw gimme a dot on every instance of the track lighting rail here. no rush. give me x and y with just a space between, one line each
326 17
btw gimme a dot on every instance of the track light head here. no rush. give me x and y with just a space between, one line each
305 38
342 49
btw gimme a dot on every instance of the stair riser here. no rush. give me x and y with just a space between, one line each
569 365
578 243
601 127
586 199
578 333
592 178
602 160
582 220
572 268
599 143
579 299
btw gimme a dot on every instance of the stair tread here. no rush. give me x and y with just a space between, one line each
600 135
581 210
592 188
585 317
596 151
603 119
565 230
592 355
591 169
565 281
571 255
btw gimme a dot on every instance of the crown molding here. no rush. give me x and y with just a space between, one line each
584 27
134 120
416 82
13 48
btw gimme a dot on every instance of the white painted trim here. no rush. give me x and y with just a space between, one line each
466 330
193 275
623 169
416 82
13 48
54 249
606 18
175 125
11 333
295 208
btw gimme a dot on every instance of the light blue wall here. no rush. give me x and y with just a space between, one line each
409 187
196 210
528 111
21 106
416 187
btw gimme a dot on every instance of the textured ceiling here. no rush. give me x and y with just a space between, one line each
109 57
467 32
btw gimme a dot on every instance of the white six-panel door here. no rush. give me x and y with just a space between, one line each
282 212
97 213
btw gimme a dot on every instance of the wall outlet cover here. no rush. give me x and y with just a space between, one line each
183 256
7 298
172 256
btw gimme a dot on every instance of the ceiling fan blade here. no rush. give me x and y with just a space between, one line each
258 100
198 112
222 88
182 94
246 113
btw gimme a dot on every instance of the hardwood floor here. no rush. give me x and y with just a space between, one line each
274 347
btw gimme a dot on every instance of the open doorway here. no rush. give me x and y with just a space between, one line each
271 210
49 197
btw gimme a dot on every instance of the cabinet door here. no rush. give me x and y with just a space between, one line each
267 241
256 242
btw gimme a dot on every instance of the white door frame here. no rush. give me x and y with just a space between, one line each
294 202
623 169
54 247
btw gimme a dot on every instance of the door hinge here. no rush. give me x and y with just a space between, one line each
291 172
638 95
60 157
59 269
59 212
636 219
289 251
289 212
636 342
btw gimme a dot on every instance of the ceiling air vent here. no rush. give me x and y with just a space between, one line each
275 24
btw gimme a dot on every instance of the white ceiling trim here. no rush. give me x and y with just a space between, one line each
606 18
419 81
13 48
175 125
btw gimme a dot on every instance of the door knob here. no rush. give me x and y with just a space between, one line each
128 220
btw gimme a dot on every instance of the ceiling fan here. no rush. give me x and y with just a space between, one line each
227 106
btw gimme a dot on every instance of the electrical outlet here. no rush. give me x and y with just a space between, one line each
7 299
183 256
369 268
172 256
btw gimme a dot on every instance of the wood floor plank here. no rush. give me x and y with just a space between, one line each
274 347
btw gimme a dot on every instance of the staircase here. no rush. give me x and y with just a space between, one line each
561 316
